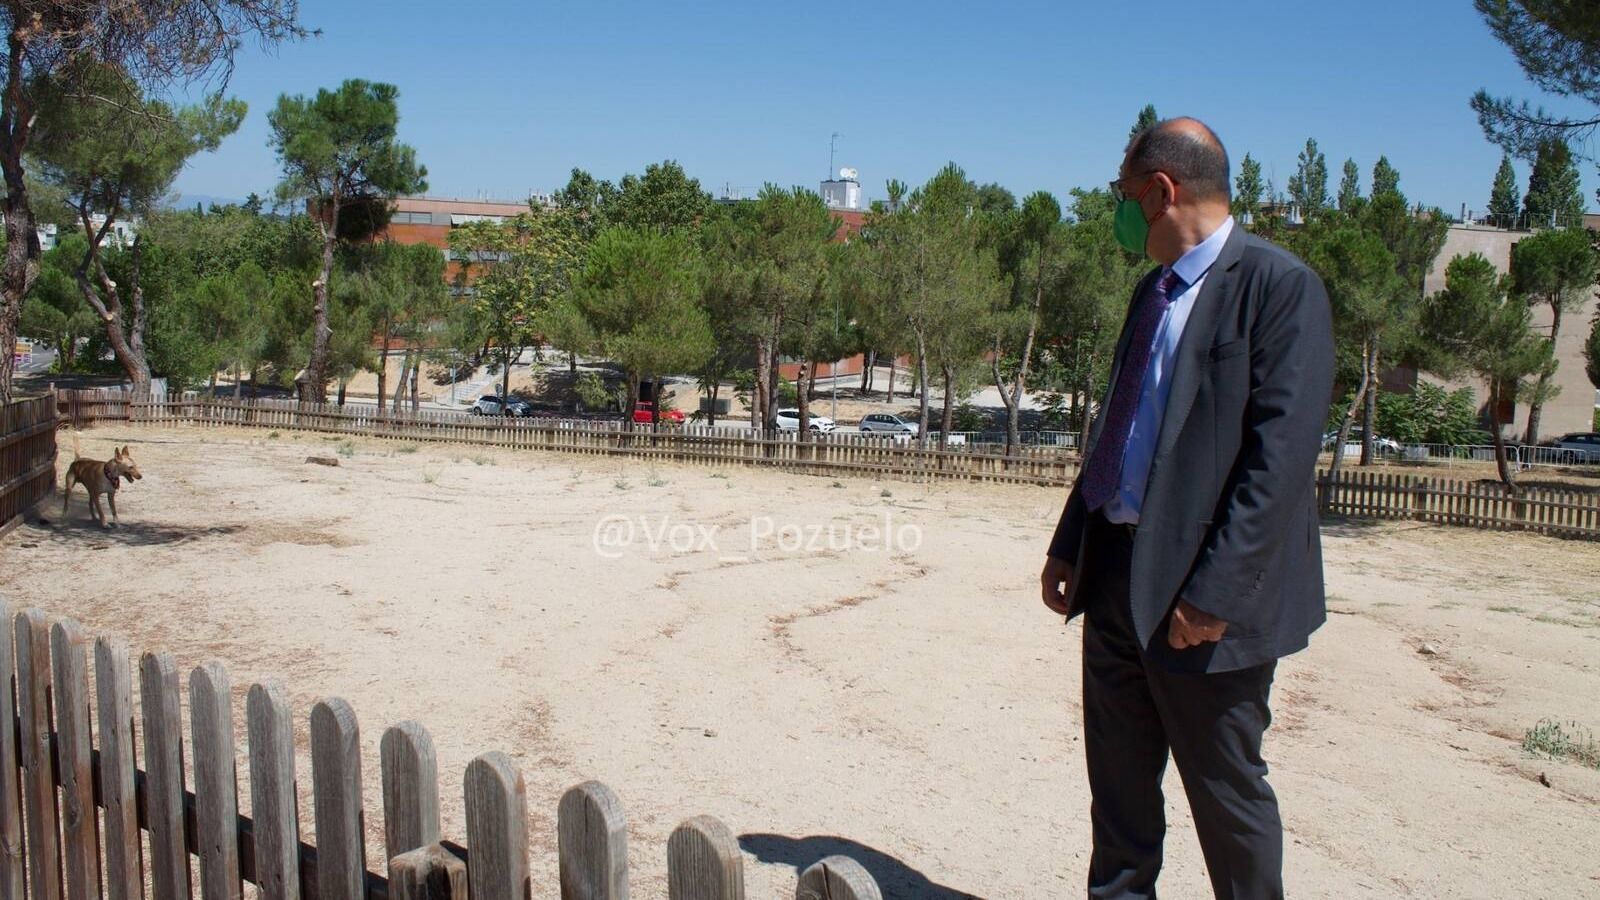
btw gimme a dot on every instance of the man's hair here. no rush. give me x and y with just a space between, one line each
1193 157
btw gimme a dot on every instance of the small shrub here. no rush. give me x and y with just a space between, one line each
621 484
429 476
347 449
1551 739
886 493
655 480
272 434
409 448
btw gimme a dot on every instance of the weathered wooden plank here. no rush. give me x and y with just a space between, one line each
163 760
497 829
216 781
410 788
592 841
124 878
336 793
272 793
837 878
12 864
704 862
80 839
427 873
38 783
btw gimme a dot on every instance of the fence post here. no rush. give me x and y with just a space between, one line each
837 878
272 795
336 793
410 788
704 862
427 873
592 840
216 781
11 861
497 828
163 761
80 846
38 786
114 686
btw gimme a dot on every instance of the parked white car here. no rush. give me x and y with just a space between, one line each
789 420
886 423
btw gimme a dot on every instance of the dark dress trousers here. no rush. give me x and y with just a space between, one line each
1228 523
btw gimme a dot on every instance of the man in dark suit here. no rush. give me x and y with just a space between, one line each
1190 539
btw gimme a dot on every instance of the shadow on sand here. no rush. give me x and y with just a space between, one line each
895 878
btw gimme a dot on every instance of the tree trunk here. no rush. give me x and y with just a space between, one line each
255 387
505 372
343 383
947 420
711 408
416 376
1536 408
1344 425
127 345
400 388
759 401
1508 473
922 395
322 333
238 382
383 364
866 370
572 363
892 360
216 337
22 240
803 384
1369 413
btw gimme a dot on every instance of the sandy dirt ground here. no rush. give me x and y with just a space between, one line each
904 699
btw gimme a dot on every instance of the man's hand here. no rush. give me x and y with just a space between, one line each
1054 581
1190 627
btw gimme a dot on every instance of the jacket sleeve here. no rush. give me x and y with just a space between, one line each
1291 381
1069 529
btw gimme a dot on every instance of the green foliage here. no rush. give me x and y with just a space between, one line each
1591 353
1430 415
591 391
1385 180
1308 186
1504 198
664 198
340 146
1557 268
1553 740
1147 117
1555 195
1247 190
636 302
1557 44
1349 186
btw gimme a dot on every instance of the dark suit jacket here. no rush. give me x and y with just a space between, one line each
1229 520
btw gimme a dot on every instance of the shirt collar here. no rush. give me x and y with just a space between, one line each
1193 266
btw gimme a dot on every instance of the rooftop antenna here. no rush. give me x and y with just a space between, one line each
832 142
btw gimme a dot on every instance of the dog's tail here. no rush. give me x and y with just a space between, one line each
77 452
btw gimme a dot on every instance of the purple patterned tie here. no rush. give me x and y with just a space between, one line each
1104 468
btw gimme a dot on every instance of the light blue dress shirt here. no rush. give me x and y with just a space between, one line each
1191 268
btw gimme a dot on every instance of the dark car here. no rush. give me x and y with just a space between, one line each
1577 447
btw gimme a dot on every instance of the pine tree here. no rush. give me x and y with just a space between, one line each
1554 195
1247 189
1385 178
1504 200
1147 117
1309 184
1349 186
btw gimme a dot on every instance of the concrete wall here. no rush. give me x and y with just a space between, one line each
1573 408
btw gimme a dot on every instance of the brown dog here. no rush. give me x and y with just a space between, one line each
98 478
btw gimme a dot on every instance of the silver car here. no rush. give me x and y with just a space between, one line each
886 423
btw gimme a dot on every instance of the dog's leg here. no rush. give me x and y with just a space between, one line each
94 506
66 493
111 499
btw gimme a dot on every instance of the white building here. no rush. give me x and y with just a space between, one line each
843 192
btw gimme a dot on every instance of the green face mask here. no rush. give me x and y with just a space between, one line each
1129 226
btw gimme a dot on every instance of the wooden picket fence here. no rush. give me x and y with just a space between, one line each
1357 493
1470 504
27 457
81 778
838 453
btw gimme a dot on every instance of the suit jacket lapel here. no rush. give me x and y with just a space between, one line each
1195 344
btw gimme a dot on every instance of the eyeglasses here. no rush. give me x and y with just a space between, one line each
1118 194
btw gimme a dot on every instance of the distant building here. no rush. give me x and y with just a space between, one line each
1573 408
47 237
429 220
843 192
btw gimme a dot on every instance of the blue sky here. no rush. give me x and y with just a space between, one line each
503 97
